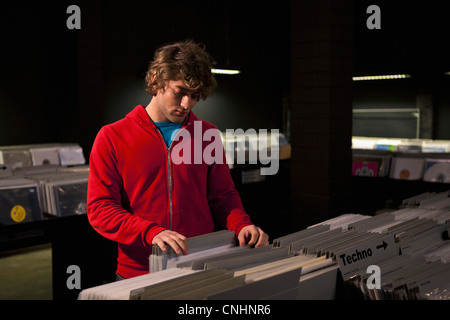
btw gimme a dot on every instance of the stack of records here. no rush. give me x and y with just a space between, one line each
203 245
62 193
44 155
219 270
419 268
15 157
121 290
59 154
71 155
19 201
409 247
42 179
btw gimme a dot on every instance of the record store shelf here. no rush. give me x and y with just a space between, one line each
43 202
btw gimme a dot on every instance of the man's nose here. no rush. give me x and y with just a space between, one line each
187 102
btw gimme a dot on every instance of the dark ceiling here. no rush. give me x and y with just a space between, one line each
413 38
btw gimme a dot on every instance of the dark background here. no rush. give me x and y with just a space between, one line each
47 70
50 74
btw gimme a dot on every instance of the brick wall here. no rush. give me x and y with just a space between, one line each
321 109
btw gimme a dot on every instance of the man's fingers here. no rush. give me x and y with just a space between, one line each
253 236
160 244
244 235
175 240
263 239
179 245
241 238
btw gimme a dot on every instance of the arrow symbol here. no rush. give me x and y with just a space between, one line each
384 245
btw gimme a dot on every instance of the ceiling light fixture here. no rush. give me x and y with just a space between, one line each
382 77
225 71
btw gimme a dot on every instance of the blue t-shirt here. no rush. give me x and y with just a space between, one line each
168 130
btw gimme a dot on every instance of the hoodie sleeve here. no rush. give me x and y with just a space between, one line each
105 211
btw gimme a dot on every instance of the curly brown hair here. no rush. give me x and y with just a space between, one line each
187 61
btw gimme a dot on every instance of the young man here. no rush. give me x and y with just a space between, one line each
137 195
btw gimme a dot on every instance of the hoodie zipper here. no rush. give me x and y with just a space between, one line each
169 178
169 174
169 185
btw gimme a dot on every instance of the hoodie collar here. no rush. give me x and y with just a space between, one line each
140 115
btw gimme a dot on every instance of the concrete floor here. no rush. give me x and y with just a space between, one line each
26 274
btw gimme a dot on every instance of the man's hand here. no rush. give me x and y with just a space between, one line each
253 235
177 241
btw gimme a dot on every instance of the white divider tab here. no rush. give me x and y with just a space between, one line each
359 257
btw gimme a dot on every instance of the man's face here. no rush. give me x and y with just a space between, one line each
175 101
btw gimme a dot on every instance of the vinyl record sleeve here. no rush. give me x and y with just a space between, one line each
365 168
19 203
437 171
407 168
44 156
70 197
370 165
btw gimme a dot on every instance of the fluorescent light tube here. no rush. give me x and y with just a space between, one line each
225 71
382 77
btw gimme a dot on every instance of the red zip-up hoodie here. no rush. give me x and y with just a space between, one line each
135 190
